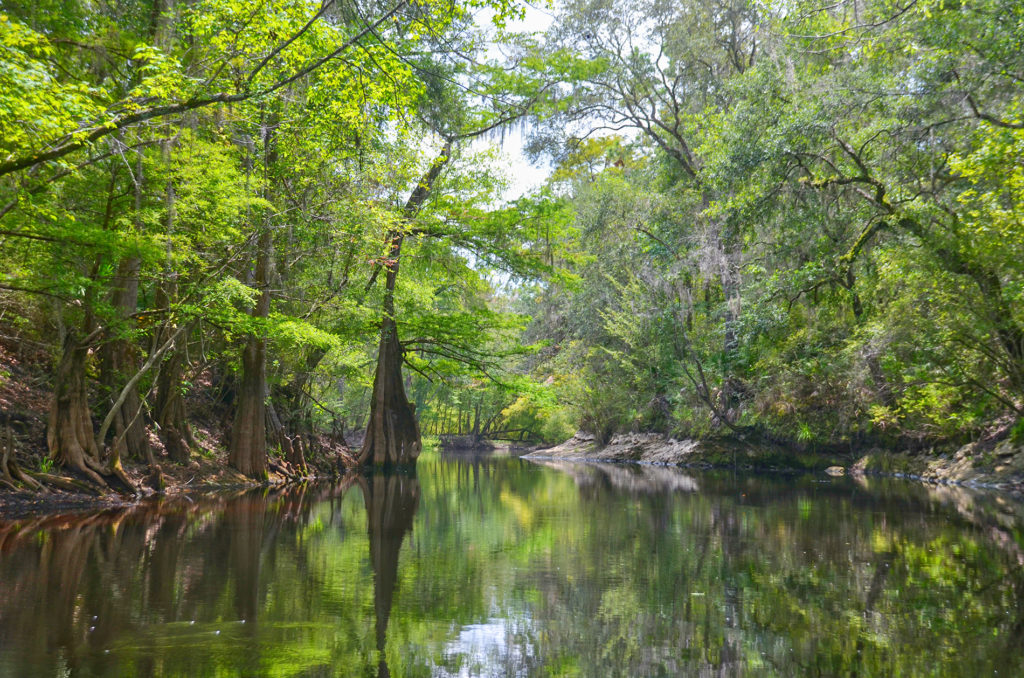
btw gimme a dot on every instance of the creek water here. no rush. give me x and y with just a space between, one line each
499 566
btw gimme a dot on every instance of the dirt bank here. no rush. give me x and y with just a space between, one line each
25 397
205 474
996 465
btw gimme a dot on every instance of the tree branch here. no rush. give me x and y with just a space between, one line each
84 137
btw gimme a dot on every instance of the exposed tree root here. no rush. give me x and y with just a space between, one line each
25 479
117 471
292 474
156 479
10 473
177 445
65 483
8 452
296 455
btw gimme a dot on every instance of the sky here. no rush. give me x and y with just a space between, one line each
523 176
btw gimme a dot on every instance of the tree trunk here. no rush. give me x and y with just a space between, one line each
248 450
731 386
170 412
392 433
119 363
69 434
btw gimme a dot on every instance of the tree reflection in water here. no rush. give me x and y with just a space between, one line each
391 501
497 567
75 587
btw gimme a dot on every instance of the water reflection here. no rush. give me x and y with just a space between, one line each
482 566
391 501
117 592
630 478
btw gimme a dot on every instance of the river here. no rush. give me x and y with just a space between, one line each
499 566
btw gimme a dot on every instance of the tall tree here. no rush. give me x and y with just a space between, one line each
393 434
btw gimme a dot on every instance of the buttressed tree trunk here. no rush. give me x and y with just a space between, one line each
69 433
393 434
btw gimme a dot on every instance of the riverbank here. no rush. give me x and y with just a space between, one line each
203 474
994 465
33 484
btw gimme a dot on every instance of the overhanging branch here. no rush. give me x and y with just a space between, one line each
83 138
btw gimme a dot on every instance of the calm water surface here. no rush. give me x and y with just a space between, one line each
502 567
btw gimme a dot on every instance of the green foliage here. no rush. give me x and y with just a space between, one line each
815 228
251 167
799 218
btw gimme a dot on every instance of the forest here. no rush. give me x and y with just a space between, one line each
285 236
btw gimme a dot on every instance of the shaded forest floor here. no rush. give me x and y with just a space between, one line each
25 393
